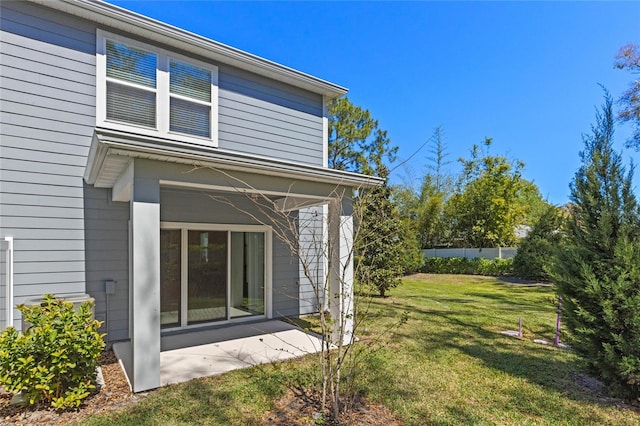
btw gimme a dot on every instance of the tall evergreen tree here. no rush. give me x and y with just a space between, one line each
380 246
597 270
356 143
385 248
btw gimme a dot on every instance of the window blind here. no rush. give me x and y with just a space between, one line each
191 118
131 105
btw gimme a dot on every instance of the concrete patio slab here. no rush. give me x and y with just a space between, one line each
206 353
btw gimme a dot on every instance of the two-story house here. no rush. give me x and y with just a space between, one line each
133 158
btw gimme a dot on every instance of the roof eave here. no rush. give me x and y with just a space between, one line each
107 142
125 20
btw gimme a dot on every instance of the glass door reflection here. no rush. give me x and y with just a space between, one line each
207 276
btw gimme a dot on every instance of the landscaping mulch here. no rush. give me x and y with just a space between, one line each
299 408
115 394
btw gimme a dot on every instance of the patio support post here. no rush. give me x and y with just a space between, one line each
145 284
341 269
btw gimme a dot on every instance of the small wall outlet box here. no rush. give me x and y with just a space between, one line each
110 287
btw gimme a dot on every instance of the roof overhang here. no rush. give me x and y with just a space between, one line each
105 14
112 151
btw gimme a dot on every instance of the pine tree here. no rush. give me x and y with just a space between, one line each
597 270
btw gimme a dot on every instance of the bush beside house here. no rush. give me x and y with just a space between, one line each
54 361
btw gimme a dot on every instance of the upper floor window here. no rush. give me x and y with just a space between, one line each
151 91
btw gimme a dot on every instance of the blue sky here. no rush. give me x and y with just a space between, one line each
523 73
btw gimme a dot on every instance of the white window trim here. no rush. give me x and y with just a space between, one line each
163 97
184 227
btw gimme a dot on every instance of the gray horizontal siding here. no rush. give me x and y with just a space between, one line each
23 267
33 278
277 93
107 258
23 84
48 26
12 153
38 188
39 233
43 200
260 116
48 53
25 291
69 237
67 175
42 178
11 210
52 256
39 124
47 99
25 98
48 65
20 80
67 142
40 245
35 116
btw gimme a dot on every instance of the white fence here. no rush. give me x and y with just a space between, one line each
6 282
470 253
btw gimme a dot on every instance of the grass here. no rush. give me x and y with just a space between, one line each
447 365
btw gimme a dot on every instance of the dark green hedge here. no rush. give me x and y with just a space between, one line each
461 265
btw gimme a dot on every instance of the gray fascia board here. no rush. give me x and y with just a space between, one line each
135 146
103 13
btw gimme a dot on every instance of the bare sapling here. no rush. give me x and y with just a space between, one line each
322 234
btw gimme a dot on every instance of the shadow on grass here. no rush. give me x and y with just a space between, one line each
541 365
446 325
190 403
523 282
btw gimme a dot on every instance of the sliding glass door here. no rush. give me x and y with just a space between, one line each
247 274
210 275
170 278
207 277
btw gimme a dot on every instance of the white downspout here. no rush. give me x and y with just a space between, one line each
9 289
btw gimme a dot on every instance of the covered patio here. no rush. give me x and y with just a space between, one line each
203 354
191 208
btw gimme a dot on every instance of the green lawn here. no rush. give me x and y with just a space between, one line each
448 364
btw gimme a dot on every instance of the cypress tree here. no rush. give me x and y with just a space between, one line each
597 268
380 245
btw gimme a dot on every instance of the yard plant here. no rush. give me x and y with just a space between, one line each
55 359
462 265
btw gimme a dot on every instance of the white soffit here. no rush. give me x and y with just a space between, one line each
111 152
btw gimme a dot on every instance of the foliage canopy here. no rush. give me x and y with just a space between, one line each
490 200
356 144
535 252
628 58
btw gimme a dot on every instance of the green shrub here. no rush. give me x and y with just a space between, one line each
55 360
461 265
535 253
